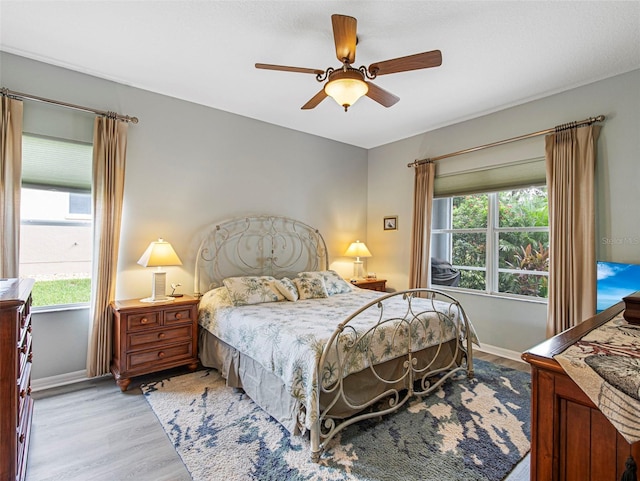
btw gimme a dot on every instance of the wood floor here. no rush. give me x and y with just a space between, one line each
92 431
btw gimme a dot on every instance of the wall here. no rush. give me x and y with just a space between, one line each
188 166
504 323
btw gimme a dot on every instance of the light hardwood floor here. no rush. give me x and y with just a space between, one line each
93 432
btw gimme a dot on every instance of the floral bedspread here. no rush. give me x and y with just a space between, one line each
605 364
287 338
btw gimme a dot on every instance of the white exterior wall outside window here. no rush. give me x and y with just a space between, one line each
56 220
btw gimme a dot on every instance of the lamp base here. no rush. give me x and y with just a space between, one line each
358 270
158 288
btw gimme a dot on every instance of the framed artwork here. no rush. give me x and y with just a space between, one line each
390 222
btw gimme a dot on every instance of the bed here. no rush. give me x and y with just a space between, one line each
311 349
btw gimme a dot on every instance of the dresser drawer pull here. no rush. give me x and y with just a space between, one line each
161 354
161 335
144 320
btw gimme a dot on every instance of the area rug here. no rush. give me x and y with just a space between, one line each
469 430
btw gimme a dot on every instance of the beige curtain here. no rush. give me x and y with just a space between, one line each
571 160
10 183
420 267
109 156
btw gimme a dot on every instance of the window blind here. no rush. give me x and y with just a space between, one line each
51 163
493 179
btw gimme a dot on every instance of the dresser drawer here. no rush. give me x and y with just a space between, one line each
177 316
24 391
159 355
26 355
144 321
145 340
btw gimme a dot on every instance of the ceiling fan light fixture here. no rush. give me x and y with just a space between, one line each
346 87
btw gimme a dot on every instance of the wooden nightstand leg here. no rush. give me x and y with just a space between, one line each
123 383
193 366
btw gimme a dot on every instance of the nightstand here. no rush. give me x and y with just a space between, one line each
151 337
371 284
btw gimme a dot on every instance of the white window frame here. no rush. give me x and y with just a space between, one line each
492 256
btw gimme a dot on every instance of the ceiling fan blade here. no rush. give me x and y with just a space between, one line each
284 68
344 36
410 62
315 100
380 95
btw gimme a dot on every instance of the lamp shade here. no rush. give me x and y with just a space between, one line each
357 249
346 87
159 253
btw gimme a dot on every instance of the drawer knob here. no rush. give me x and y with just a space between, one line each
178 315
161 354
162 335
144 320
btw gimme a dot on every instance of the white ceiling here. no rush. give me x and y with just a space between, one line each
496 54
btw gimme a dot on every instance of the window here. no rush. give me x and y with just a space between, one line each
55 209
498 241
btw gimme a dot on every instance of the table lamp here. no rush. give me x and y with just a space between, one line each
159 254
357 249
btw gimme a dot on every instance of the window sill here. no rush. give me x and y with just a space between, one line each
494 295
60 308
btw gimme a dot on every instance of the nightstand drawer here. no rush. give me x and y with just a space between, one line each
143 321
162 336
158 356
177 316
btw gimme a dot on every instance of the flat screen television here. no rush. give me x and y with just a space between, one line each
615 281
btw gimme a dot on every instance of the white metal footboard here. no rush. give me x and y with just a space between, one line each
409 333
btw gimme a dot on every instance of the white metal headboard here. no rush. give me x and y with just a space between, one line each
258 246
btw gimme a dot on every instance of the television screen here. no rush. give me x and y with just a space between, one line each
615 281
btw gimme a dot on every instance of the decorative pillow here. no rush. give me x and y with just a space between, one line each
332 281
310 286
335 284
287 288
252 290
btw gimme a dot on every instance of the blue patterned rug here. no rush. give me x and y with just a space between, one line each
470 430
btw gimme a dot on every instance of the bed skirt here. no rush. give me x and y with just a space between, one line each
269 392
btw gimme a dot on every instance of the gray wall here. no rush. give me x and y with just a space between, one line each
187 167
505 323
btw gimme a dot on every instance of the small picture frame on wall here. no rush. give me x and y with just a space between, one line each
390 222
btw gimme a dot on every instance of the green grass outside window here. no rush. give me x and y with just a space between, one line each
60 292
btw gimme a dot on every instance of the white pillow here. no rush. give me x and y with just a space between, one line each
310 286
247 290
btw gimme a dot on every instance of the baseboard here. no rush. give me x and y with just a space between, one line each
500 351
79 376
59 380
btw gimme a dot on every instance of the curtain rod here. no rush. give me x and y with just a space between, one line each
557 128
21 96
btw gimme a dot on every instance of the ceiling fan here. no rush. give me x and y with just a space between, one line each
347 84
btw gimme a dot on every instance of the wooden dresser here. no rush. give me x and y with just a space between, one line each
571 440
150 337
16 404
